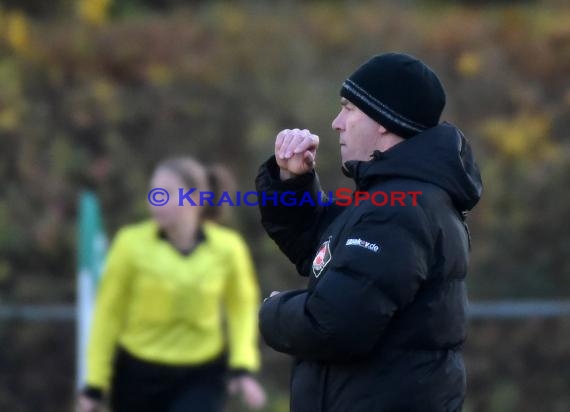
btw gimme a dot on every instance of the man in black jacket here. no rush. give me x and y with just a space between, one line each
381 324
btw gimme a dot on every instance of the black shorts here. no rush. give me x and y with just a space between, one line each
142 386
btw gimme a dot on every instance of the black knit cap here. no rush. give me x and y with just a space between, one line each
398 91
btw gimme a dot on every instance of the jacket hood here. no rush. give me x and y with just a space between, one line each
440 155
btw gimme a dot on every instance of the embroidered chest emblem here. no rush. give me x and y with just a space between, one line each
322 258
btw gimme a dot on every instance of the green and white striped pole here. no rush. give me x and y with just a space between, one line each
91 250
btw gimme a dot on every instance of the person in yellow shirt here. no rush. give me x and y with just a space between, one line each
175 321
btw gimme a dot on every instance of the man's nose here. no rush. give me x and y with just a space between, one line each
336 123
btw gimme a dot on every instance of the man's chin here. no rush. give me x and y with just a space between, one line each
345 159
343 156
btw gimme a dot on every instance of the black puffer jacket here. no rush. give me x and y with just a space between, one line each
381 325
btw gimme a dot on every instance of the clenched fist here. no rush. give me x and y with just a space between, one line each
296 152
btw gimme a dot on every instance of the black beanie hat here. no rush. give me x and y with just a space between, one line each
398 91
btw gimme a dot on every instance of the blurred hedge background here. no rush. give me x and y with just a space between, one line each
93 93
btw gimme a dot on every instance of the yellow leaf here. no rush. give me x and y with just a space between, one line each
8 119
159 74
94 12
103 91
17 31
523 137
468 64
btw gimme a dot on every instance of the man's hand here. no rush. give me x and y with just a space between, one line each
251 392
295 151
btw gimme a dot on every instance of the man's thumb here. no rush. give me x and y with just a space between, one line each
309 159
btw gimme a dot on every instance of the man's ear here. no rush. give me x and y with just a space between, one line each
382 130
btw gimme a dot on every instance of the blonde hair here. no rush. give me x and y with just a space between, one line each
216 178
192 172
220 180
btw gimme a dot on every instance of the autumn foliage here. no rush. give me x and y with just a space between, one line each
94 93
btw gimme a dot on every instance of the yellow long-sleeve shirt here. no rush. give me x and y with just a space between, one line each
168 308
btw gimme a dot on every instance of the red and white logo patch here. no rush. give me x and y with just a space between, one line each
322 258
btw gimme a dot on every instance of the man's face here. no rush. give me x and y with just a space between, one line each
359 134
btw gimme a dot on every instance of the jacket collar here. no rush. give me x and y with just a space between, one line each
359 170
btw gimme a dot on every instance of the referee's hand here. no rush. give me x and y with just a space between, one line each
250 391
87 404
